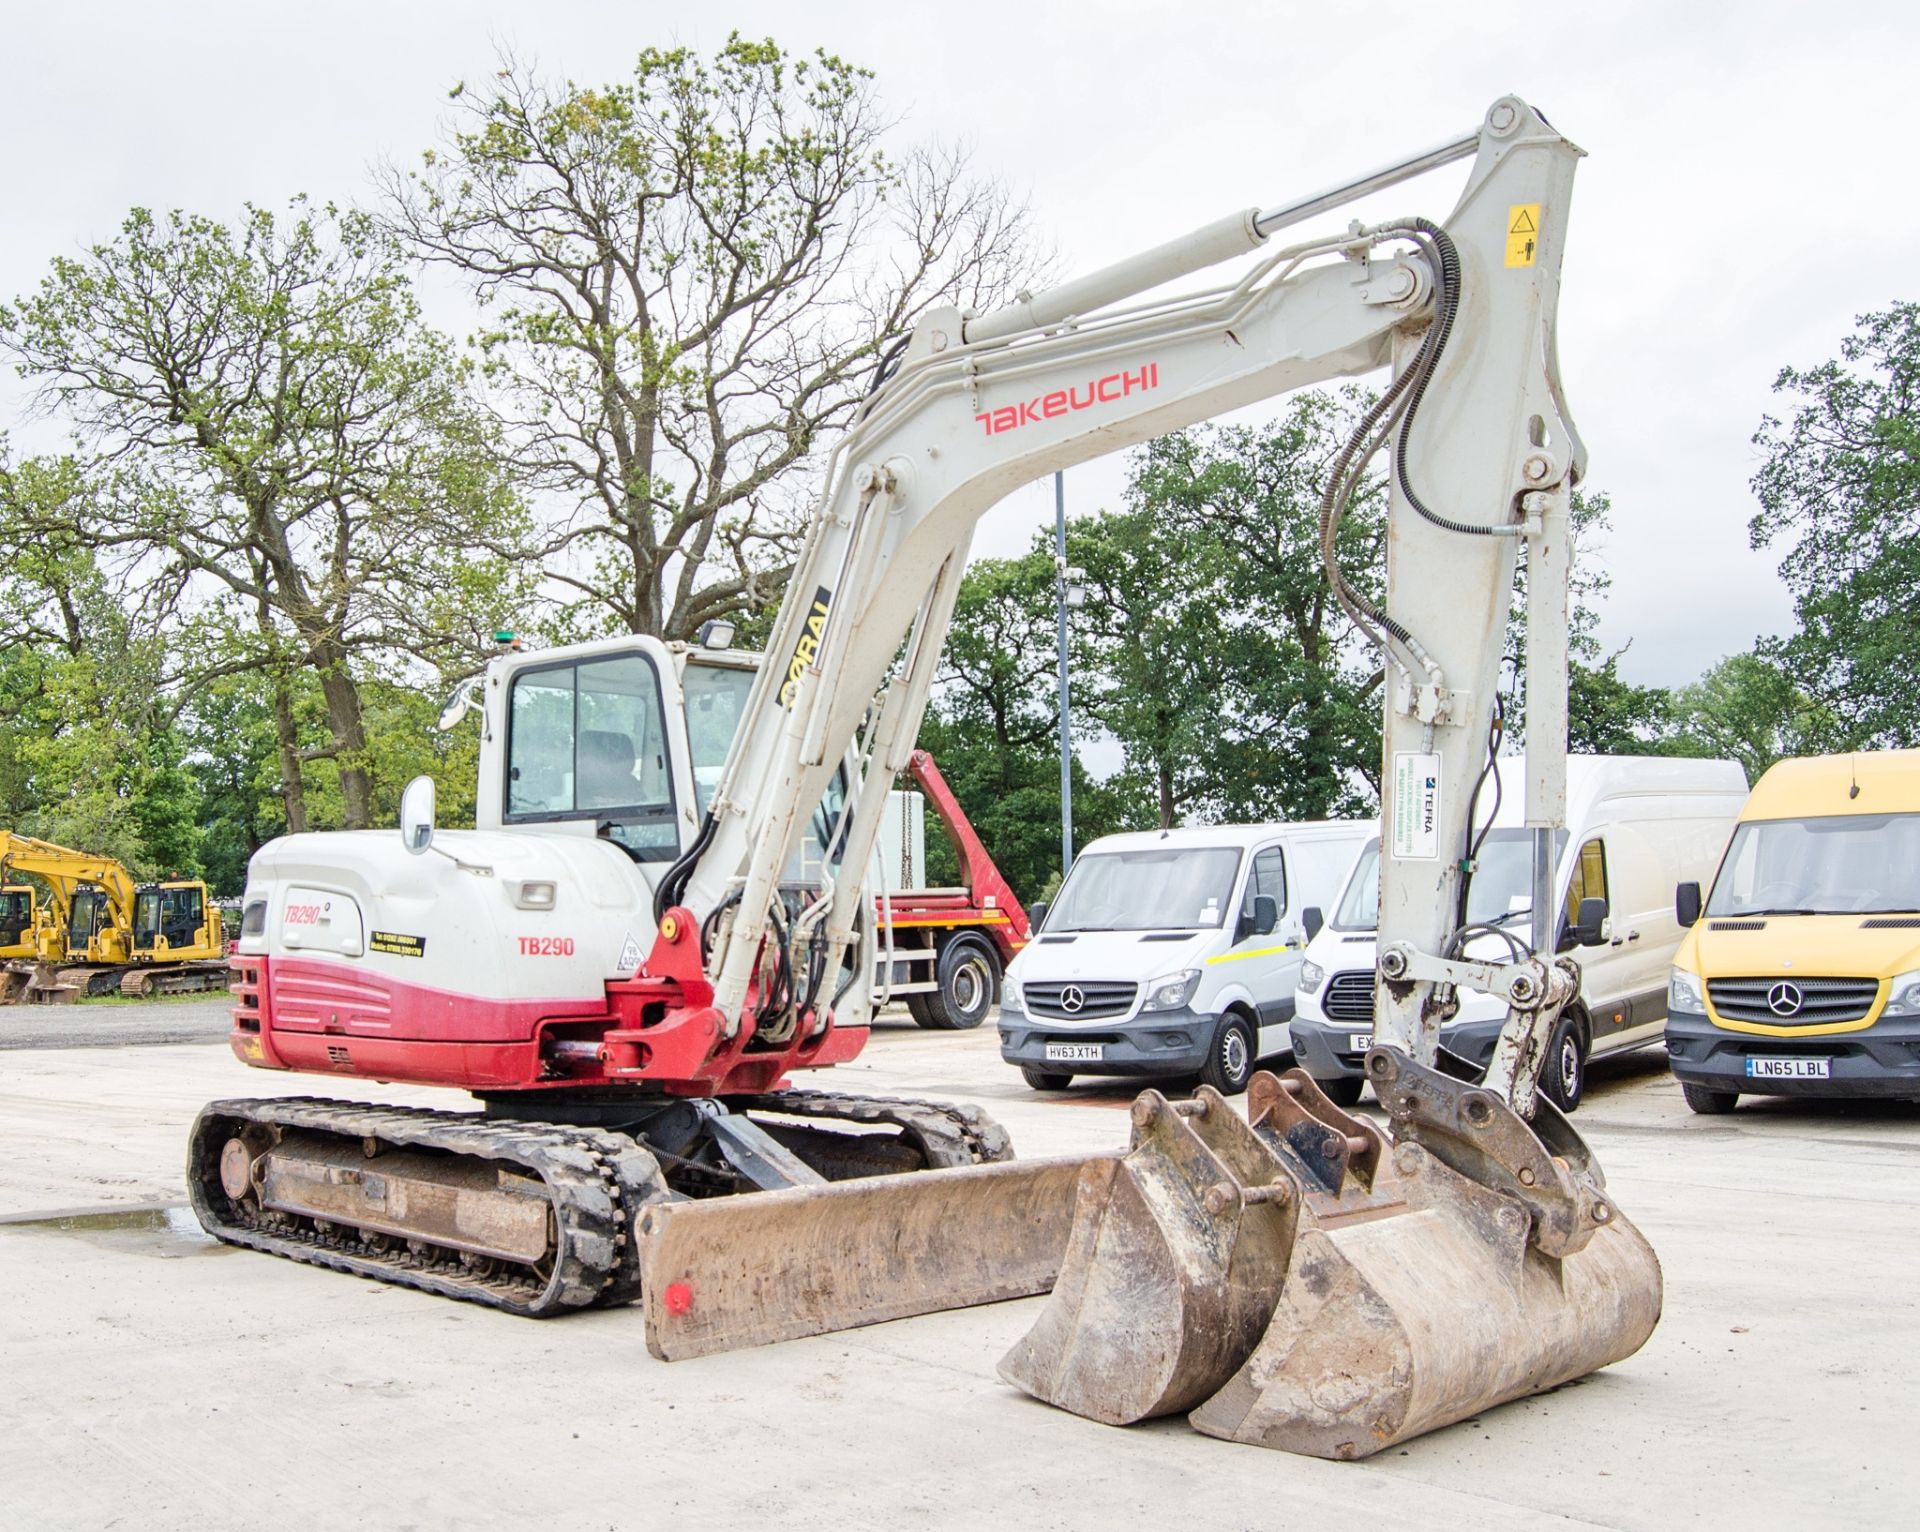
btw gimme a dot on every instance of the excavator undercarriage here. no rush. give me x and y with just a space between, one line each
540 1216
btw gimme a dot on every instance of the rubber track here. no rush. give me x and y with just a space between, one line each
597 1180
949 1135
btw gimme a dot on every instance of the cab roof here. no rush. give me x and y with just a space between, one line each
1811 786
1198 837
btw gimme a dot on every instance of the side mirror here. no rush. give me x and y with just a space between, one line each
1266 914
416 815
1036 916
1590 926
1686 903
465 699
1312 921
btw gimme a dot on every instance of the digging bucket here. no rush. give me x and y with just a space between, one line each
1171 1271
1335 1293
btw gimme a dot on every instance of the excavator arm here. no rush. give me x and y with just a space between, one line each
976 406
1298 1278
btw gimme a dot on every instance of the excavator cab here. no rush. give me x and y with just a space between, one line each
18 912
89 922
173 920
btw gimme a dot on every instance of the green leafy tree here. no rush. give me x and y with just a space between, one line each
689 275
1839 492
994 727
280 436
1747 708
89 756
1235 682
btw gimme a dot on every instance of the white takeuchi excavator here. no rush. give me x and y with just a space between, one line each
629 956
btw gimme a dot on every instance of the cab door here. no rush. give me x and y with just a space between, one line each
1604 983
1263 963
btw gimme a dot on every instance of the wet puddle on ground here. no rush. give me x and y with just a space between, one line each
167 1230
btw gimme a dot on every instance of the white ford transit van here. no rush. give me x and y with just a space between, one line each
1637 826
1171 953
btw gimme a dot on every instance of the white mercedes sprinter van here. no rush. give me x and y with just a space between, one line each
1171 953
1637 826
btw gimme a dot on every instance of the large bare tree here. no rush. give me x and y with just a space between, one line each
688 278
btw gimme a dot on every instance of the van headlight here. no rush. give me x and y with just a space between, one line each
1010 999
1170 993
1683 992
1310 976
1903 995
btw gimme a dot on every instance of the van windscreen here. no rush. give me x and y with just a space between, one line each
1153 889
1843 864
1502 883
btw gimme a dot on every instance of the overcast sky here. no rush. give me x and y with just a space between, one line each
1741 155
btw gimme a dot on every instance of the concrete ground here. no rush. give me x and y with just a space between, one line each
152 1379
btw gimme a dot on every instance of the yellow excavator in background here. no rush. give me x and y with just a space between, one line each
98 930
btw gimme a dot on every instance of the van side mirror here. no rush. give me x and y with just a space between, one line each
1686 903
1590 926
1036 916
416 815
1266 914
1312 921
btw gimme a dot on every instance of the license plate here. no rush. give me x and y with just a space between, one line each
1075 1053
1359 1042
1787 1069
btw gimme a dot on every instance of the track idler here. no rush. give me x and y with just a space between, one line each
1299 1281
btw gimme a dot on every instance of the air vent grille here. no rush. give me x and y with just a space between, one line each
1891 923
1079 1000
1349 996
1736 925
1790 1001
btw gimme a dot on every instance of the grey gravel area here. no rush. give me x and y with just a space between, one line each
115 1026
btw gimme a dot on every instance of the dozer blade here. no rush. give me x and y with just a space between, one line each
729 1272
1474 1262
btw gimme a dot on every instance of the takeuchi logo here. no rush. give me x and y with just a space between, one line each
1064 401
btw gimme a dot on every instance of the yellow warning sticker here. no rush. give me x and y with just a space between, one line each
1523 233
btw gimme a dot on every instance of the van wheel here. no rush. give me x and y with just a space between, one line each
1230 1062
1045 1079
1344 1091
1710 1103
1564 1075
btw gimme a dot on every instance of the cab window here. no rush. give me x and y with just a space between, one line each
585 740
16 915
1267 876
1589 880
175 913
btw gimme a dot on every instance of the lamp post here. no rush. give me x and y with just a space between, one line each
1071 595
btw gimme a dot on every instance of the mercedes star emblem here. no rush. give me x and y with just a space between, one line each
1784 999
1073 997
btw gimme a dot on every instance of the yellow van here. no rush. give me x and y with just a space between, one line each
1803 977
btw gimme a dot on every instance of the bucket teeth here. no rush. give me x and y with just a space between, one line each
1297 1281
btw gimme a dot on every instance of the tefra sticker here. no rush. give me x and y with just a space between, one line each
1416 807
397 944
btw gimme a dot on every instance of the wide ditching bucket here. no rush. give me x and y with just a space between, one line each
1299 1281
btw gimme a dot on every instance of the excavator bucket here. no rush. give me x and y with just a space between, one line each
727 1272
1351 1292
